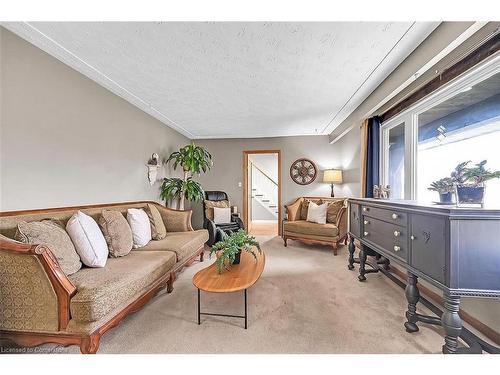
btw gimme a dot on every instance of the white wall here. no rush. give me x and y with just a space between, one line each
267 163
65 140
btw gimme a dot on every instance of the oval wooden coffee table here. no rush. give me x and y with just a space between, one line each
239 277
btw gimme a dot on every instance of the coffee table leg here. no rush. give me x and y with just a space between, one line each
199 307
246 315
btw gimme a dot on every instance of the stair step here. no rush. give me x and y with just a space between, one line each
259 195
272 206
254 189
266 200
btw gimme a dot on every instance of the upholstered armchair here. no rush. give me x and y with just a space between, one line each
295 227
218 199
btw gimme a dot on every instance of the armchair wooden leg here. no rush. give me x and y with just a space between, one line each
202 255
284 241
335 248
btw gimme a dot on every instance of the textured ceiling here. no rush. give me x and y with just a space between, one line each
217 80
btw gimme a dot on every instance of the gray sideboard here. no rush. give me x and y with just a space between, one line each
454 249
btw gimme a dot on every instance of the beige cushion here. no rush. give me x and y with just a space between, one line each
209 207
101 290
184 244
117 233
158 230
316 213
304 207
305 227
55 237
333 210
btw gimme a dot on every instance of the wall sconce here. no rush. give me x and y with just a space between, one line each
153 168
332 176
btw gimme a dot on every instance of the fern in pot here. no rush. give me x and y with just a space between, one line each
470 182
228 250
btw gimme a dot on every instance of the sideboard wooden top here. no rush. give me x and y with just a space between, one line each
451 210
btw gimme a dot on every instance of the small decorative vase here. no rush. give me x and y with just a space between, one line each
237 258
446 198
470 195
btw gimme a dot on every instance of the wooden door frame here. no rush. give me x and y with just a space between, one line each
246 153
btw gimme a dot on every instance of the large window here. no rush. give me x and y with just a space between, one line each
458 123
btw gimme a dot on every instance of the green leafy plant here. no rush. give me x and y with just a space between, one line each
193 160
442 186
478 174
231 245
458 175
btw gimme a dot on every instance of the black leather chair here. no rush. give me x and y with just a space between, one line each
214 234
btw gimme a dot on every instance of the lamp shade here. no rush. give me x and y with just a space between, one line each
333 176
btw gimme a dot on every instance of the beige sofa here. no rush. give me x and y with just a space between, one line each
295 227
40 304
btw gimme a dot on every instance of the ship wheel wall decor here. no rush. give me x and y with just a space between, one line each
303 171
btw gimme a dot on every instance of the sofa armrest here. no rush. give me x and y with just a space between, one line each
176 220
44 276
341 222
293 210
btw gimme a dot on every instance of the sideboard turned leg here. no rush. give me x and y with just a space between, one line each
412 296
351 253
451 322
362 261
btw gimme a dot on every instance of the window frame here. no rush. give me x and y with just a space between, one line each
410 115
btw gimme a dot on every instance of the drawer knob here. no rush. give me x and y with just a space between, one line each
395 216
365 209
365 233
366 222
396 233
397 248
412 237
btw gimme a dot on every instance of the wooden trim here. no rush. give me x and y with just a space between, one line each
246 153
466 317
487 49
334 243
364 155
83 207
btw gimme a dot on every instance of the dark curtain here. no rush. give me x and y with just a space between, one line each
372 153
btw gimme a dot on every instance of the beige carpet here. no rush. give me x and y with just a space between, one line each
306 302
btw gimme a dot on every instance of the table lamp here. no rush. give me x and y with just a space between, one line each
332 176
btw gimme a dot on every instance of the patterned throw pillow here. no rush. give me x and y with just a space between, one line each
334 208
117 233
209 207
304 207
158 230
48 232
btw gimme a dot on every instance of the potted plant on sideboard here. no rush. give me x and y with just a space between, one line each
446 188
470 182
228 250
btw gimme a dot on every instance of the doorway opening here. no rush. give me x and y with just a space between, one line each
262 192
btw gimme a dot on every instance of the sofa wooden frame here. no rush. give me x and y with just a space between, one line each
333 243
65 289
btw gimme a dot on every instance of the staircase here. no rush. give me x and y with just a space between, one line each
264 192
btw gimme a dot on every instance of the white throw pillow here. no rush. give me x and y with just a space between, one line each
88 240
317 213
141 228
222 215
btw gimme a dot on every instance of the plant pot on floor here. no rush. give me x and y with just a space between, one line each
470 195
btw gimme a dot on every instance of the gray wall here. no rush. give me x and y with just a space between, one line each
228 165
65 140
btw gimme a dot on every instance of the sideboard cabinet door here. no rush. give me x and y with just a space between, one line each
428 245
354 220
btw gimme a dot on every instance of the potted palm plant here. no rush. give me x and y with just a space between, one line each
445 187
193 160
228 250
470 182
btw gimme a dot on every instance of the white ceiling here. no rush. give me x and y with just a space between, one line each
234 79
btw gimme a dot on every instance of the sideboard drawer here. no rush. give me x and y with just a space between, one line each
391 216
390 237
